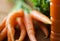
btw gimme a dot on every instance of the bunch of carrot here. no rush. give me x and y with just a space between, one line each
24 20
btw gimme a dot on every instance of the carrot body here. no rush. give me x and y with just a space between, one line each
22 28
2 25
40 17
43 28
3 34
3 30
10 23
29 27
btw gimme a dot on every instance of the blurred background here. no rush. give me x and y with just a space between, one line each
5 7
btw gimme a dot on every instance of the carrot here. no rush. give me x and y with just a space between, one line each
3 30
2 25
3 34
40 17
43 28
22 28
10 23
29 27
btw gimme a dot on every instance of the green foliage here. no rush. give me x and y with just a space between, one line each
42 5
20 4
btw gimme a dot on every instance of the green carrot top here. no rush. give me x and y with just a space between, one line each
20 4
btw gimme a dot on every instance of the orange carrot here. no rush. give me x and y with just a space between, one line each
3 34
10 23
22 28
3 30
40 17
43 28
29 27
2 25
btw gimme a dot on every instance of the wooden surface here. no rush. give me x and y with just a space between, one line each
5 7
